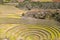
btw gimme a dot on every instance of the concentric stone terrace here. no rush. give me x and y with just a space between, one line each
29 28
24 31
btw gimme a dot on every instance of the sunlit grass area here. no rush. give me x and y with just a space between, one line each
12 31
10 11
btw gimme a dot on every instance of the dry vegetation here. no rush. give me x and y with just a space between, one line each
43 14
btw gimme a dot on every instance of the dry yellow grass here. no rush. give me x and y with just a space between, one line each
10 11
